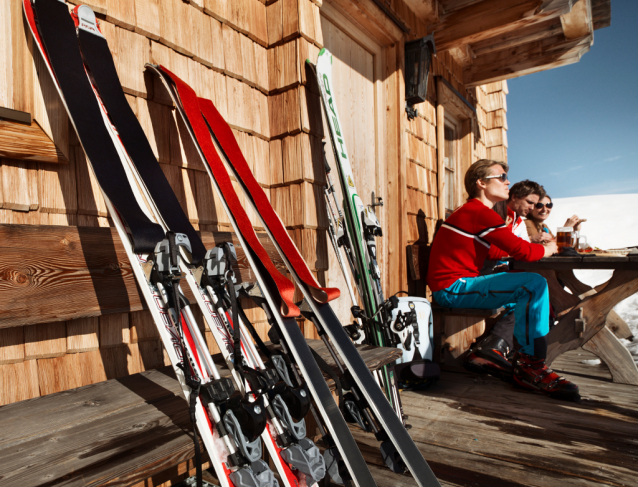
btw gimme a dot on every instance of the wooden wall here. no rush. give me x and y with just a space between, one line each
248 57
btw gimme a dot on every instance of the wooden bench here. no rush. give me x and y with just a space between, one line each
455 329
130 431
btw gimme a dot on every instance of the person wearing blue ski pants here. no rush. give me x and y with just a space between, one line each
526 292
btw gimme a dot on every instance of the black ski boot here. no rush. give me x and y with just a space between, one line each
532 373
490 357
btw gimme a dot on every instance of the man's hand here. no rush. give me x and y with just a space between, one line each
550 248
540 237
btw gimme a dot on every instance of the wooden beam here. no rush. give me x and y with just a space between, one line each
525 35
601 13
578 22
54 273
425 10
28 143
489 18
367 14
535 56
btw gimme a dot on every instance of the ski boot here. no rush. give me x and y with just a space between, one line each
532 373
490 357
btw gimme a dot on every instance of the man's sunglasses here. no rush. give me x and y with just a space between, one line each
549 205
502 177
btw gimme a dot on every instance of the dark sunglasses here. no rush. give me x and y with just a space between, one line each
502 177
548 205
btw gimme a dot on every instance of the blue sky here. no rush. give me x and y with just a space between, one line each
574 129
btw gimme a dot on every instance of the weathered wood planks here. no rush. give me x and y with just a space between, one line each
51 273
117 432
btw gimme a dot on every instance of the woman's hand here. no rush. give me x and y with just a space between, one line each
574 222
540 238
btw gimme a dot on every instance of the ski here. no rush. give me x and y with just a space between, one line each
345 461
397 446
154 256
210 278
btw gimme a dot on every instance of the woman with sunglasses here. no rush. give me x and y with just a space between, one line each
537 230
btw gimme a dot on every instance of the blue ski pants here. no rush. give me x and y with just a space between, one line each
525 292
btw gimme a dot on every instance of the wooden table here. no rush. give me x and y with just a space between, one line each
582 315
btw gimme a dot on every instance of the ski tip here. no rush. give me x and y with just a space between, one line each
84 18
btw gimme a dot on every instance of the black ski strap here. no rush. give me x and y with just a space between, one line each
97 57
57 32
230 287
325 367
260 343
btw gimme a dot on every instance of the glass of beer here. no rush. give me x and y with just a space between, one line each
564 237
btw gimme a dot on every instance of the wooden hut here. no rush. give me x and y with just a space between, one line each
70 314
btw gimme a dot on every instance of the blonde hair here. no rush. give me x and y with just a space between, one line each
480 170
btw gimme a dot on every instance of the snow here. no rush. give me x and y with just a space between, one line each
612 222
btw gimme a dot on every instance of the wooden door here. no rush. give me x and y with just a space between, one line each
356 90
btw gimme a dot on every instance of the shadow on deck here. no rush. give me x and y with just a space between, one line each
482 432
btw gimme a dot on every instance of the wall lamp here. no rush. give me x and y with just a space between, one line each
418 57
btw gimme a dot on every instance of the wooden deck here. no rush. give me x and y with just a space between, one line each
481 432
474 431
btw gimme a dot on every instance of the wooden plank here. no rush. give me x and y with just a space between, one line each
75 273
143 327
489 18
90 199
57 188
147 18
114 330
615 355
204 50
232 52
18 382
217 9
578 22
11 345
290 15
6 57
217 42
526 58
274 21
45 340
15 185
82 335
121 13
28 142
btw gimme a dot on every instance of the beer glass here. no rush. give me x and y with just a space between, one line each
564 237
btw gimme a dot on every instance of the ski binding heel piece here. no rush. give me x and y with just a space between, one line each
258 475
307 458
296 429
251 450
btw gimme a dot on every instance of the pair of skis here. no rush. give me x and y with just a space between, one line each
111 159
401 322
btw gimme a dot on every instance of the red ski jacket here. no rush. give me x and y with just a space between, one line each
470 235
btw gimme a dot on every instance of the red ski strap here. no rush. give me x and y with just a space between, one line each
190 105
228 143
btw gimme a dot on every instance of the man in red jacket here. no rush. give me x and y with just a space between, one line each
475 232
